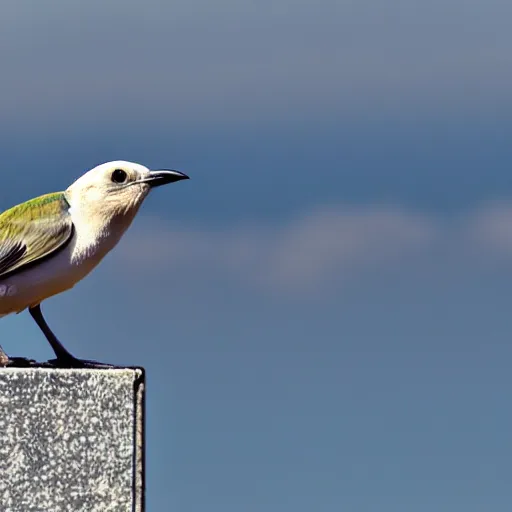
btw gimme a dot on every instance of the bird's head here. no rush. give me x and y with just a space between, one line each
118 187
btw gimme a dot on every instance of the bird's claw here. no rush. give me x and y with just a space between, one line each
62 363
19 362
75 363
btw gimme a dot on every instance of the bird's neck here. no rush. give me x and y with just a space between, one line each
96 233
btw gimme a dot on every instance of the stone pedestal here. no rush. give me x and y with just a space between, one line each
71 440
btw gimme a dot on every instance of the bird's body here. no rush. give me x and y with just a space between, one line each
50 243
88 244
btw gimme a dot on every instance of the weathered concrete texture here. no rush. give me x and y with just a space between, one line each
71 440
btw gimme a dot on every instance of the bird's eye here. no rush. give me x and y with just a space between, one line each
119 176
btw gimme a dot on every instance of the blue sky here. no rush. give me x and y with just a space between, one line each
323 310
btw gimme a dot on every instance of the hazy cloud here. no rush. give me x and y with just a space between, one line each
490 229
320 249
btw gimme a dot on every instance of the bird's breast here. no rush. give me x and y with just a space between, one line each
53 275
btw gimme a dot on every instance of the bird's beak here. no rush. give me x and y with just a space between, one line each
164 176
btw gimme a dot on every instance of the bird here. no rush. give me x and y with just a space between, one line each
51 242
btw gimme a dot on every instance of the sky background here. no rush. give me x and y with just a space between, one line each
323 310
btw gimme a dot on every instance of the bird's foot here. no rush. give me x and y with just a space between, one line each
63 360
74 362
67 363
18 362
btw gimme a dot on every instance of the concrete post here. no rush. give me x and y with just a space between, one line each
71 440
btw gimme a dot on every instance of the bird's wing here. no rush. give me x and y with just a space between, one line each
33 230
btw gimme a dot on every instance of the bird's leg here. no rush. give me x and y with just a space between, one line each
64 358
56 345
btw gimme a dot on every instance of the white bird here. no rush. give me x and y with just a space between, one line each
51 242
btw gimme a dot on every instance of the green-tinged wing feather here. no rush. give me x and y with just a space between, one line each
33 230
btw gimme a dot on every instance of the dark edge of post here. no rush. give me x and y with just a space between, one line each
139 432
